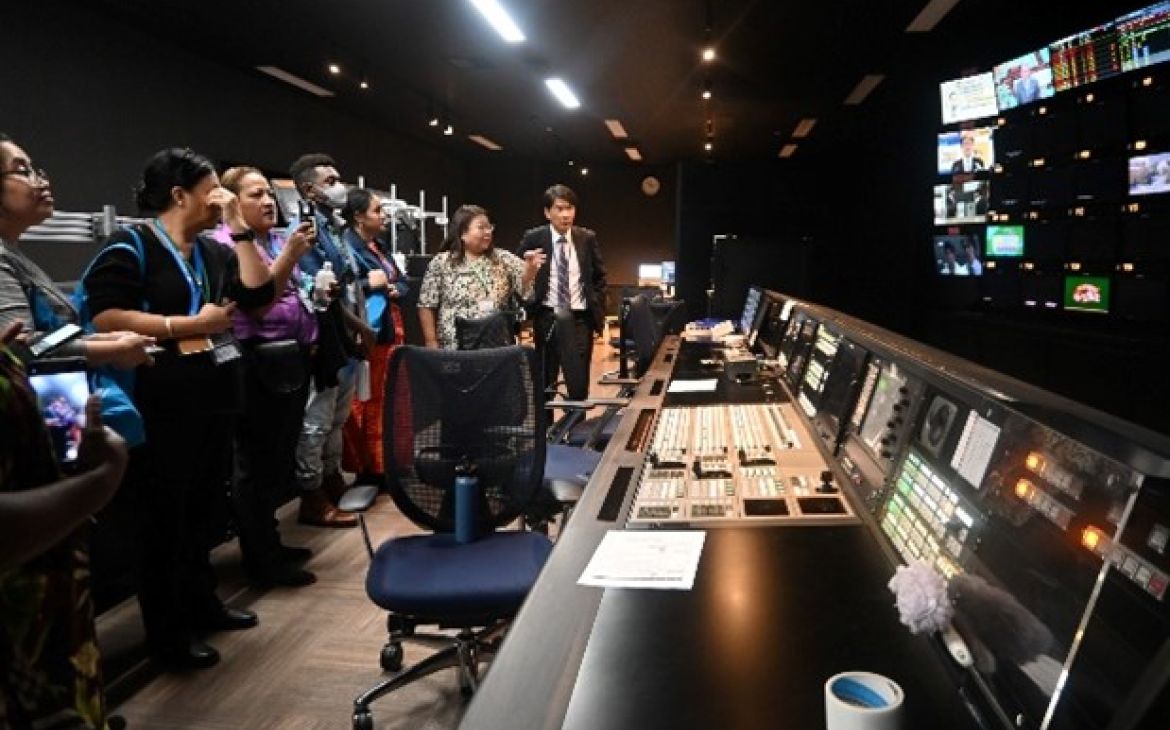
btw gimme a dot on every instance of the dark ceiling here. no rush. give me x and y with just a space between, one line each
634 60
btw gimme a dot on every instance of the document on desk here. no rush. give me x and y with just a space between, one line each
656 559
706 385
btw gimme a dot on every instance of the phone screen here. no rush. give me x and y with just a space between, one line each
61 400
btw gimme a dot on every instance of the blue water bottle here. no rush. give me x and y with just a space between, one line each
466 484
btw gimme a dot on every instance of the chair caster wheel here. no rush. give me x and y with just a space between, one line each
363 720
390 659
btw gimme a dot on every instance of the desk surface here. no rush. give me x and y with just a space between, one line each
775 611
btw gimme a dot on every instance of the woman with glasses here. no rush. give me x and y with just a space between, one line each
27 294
183 291
471 278
383 285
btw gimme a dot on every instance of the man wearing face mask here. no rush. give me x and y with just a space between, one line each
343 339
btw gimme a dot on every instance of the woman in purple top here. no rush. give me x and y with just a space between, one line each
277 349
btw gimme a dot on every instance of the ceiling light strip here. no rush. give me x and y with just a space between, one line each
500 20
563 93
804 128
279 73
930 16
616 129
483 141
863 89
634 154
788 150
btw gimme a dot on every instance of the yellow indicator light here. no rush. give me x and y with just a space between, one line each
1091 538
1024 489
1034 462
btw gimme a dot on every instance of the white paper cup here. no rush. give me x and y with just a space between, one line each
862 701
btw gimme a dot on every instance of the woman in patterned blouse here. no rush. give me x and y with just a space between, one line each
471 278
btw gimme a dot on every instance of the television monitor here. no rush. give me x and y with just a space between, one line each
840 389
1085 293
1141 298
957 256
749 320
887 402
1000 289
1041 291
1149 106
966 151
1047 240
1013 143
1023 80
1145 238
1143 37
1084 57
773 325
649 274
1092 239
1005 241
961 202
1050 188
1054 129
971 97
668 273
1098 181
1010 192
1149 174
1101 121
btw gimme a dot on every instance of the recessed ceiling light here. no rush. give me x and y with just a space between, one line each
448 130
804 128
483 141
706 94
433 122
279 73
563 93
634 154
584 170
571 163
708 146
616 129
863 89
930 15
788 150
709 54
334 69
364 84
498 17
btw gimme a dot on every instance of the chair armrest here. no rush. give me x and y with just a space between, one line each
614 380
358 499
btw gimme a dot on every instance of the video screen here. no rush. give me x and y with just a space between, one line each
961 202
1087 293
61 399
839 386
668 273
1005 241
649 274
1084 57
940 416
957 256
972 97
1143 36
1023 80
751 312
888 397
1149 174
966 151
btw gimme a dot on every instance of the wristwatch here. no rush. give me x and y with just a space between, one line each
248 235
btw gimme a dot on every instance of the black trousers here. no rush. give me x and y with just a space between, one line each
549 347
181 475
266 447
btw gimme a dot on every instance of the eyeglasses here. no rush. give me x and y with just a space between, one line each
485 227
30 175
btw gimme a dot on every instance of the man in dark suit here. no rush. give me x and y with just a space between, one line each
573 279
967 161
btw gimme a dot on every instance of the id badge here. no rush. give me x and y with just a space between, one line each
486 307
226 348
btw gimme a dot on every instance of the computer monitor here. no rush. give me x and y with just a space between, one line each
971 97
961 202
1092 238
957 256
753 312
1084 57
1005 241
650 274
1143 36
966 151
668 276
1023 80
1085 293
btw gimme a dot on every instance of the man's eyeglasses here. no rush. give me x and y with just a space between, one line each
30 175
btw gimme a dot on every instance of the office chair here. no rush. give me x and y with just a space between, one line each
465 451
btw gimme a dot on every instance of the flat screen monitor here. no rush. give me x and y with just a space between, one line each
1084 57
773 325
1041 291
752 312
1010 192
889 396
1084 293
1050 187
1101 122
957 256
1023 80
971 97
1005 241
1145 238
1098 181
839 390
966 151
1149 107
961 202
1013 143
1141 298
668 273
649 274
1092 239
1143 37
1047 240
1149 174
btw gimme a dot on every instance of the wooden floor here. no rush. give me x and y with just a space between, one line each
316 647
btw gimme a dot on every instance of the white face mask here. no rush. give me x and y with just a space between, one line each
334 195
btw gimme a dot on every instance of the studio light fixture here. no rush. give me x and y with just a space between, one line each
334 69
708 54
616 129
448 130
563 93
787 151
708 146
804 128
483 141
500 20
634 154
433 122
584 171
293 80
365 84
706 90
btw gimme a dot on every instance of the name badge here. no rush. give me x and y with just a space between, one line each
226 348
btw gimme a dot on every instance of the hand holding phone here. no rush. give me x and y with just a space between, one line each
101 448
54 339
62 390
306 215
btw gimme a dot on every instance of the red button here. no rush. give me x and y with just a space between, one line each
1157 585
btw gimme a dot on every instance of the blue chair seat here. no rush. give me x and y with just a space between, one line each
432 575
567 470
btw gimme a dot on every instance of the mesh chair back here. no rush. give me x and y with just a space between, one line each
644 331
445 408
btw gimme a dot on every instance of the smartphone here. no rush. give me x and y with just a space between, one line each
54 339
305 214
62 388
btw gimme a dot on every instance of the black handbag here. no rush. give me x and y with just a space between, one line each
280 366
497 329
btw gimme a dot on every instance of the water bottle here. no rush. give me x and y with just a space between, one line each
322 284
466 485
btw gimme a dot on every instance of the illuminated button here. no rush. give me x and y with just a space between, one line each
1130 566
1034 462
1091 538
1143 575
1025 489
1157 586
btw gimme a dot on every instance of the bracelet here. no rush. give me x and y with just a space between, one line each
170 327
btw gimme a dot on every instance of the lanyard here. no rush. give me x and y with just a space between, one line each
390 269
196 275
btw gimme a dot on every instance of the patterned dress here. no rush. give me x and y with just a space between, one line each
50 671
456 289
